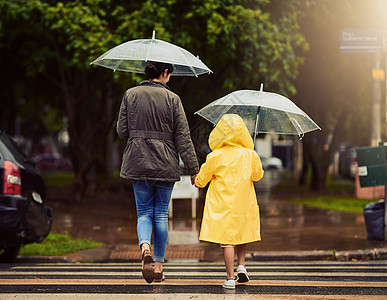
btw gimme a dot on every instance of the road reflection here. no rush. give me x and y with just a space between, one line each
284 225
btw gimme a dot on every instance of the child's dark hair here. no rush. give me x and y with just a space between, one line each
154 69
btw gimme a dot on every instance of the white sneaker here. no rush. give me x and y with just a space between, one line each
229 283
242 274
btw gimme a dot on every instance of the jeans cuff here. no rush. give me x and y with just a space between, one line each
158 259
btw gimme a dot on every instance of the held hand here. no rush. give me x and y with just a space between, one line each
193 177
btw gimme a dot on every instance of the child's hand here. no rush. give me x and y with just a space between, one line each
193 177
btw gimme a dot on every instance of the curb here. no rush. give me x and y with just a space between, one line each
103 255
42 259
370 254
367 254
90 255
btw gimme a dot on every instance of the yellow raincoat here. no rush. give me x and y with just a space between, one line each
231 212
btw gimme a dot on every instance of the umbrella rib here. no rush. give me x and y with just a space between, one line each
189 65
298 127
116 66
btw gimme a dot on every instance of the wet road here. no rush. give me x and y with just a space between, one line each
285 226
274 280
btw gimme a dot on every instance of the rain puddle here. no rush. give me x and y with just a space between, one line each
284 225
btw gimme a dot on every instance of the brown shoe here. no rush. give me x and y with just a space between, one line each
147 269
158 277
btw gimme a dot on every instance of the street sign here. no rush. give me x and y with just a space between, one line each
378 74
361 41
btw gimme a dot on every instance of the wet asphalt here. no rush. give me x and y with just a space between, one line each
268 280
285 226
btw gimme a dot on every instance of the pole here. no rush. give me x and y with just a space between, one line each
385 212
385 187
378 75
376 101
385 92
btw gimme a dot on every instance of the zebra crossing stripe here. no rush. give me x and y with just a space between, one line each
188 282
272 278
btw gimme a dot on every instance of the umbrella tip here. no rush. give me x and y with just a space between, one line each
153 35
261 88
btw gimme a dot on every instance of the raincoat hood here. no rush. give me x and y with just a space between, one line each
230 131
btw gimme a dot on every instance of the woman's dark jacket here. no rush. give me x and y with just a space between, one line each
153 120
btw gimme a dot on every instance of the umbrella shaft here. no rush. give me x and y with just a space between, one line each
256 124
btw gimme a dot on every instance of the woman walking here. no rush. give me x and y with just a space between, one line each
153 120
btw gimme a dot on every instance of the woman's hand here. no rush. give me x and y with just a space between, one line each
193 177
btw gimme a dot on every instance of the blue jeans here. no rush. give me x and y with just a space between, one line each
152 203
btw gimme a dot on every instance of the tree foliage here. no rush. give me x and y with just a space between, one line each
47 45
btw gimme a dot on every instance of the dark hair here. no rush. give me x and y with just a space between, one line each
154 69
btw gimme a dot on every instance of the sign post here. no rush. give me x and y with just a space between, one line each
371 41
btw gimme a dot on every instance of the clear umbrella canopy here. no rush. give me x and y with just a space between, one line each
263 112
133 56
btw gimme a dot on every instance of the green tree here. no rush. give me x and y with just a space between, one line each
244 42
52 44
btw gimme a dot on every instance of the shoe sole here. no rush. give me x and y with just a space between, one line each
229 287
159 280
242 278
147 271
158 277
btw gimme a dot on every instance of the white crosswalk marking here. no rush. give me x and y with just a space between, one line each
284 280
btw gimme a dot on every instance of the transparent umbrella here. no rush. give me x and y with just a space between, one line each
133 56
263 112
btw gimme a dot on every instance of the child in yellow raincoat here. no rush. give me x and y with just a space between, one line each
231 212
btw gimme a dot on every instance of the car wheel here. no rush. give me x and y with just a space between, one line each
9 254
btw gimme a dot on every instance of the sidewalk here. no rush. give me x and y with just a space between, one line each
204 252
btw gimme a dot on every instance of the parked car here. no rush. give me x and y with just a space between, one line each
51 162
23 216
271 163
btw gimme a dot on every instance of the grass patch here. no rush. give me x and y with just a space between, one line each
58 178
334 186
341 187
339 195
337 203
57 244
